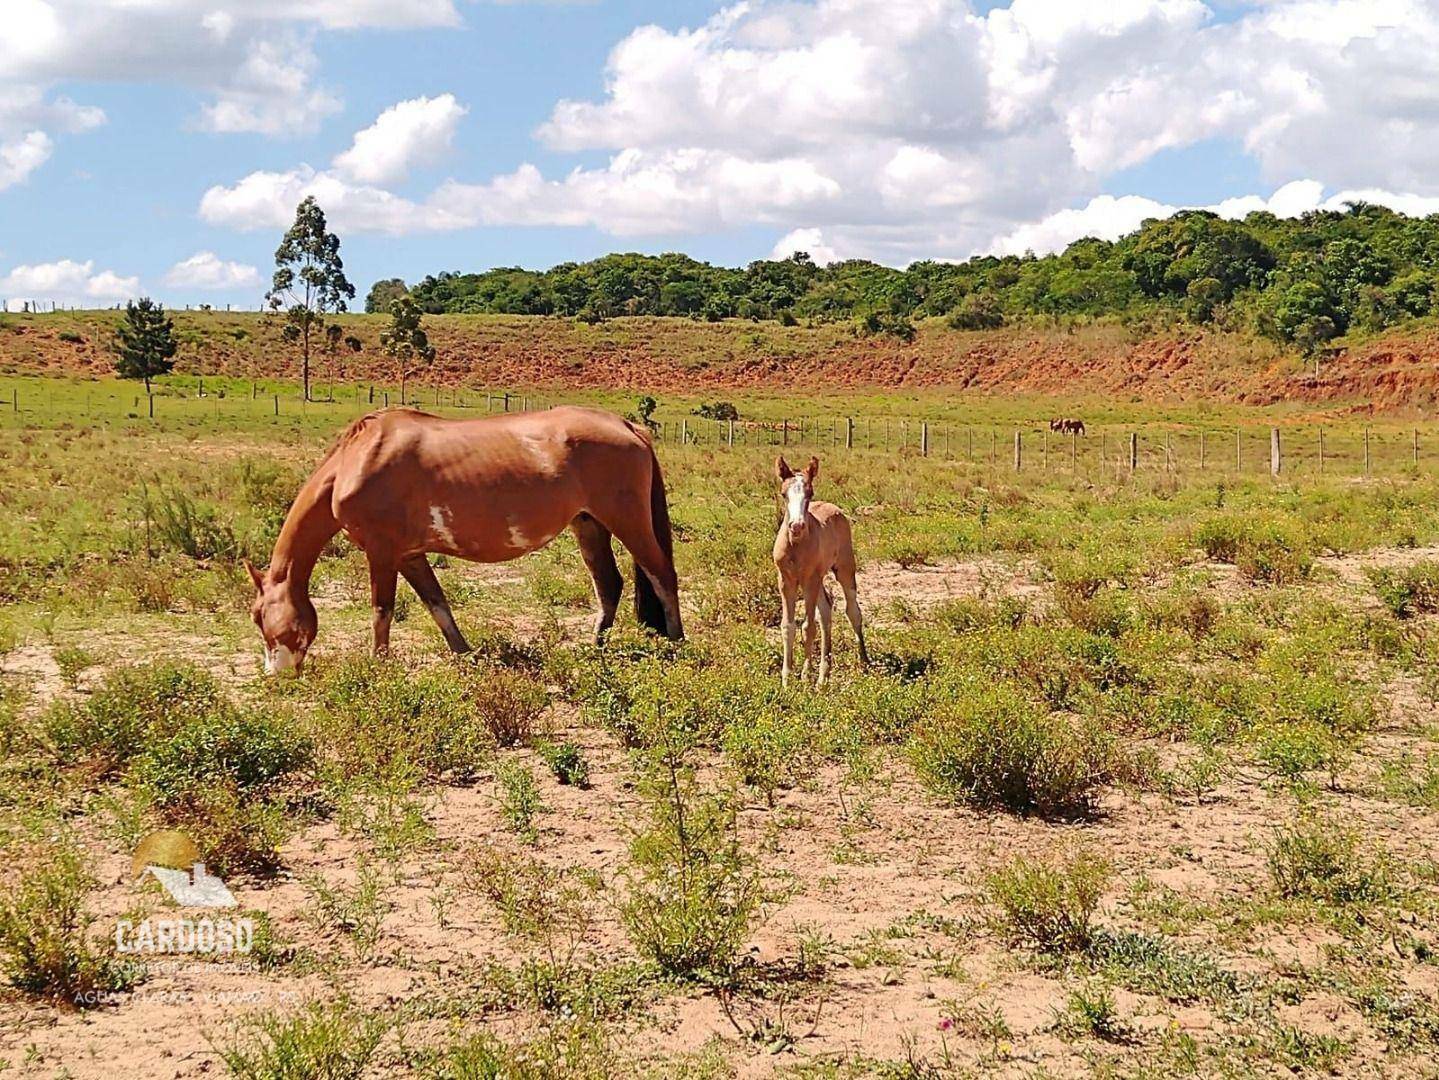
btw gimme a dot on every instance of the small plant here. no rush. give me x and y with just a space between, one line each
519 796
1408 592
989 745
509 704
692 894
1318 859
72 661
1090 1010
334 1040
1049 906
357 914
45 948
567 762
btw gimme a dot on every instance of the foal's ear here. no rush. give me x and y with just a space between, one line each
812 469
782 469
256 576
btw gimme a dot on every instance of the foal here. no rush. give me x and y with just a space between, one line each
814 539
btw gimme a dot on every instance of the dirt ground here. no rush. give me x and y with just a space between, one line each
888 875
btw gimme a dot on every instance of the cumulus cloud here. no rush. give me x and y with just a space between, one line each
21 156
1108 218
65 282
902 129
206 270
406 135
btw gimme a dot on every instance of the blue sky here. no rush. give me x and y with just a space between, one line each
892 130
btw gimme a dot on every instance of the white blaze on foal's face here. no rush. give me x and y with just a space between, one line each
796 502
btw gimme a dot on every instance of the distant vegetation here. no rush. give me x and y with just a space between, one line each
1299 280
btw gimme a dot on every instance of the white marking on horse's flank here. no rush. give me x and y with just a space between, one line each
437 524
518 540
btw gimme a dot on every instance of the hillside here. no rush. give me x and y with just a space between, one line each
1397 370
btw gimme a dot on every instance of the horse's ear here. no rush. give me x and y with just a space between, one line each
812 469
782 469
255 575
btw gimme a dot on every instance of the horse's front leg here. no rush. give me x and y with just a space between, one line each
811 602
421 576
383 573
789 603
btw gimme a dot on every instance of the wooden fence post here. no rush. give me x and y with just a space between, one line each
1276 453
1321 449
152 405
1168 452
1416 448
1238 449
993 446
1073 448
1044 459
968 443
1366 451
1201 449
924 438
1018 452
1133 450
277 404
849 433
731 434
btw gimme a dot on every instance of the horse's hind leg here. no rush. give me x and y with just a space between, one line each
382 600
844 573
421 576
826 613
599 556
639 539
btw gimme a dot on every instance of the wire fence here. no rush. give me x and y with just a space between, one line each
1339 449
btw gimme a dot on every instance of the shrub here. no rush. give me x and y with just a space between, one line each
1263 549
509 703
380 715
1408 592
1049 906
333 1040
179 523
692 894
1315 858
567 762
44 930
130 710
986 744
519 798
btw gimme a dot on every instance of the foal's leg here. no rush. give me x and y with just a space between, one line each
789 603
826 611
421 576
812 593
382 600
844 573
599 556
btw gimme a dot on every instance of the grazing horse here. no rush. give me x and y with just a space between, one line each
401 483
1067 425
814 539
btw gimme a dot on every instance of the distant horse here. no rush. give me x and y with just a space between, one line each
814 539
402 483
1067 425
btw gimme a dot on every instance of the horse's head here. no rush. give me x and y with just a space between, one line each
287 622
796 489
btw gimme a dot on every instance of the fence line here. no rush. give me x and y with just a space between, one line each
1107 450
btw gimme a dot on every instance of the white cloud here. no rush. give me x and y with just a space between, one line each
206 270
65 282
406 135
902 129
22 156
810 241
1109 218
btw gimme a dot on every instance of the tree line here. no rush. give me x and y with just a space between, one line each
1302 281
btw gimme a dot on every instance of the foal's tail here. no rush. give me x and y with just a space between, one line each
649 610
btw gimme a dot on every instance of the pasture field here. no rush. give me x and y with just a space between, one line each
1143 780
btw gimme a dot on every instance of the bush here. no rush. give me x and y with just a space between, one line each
987 745
692 894
509 703
567 762
1408 592
1267 550
1049 906
519 798
130 710
1319 859
335 1041
44 930
380 715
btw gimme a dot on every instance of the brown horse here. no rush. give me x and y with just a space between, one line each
1067 425
402 483
814 539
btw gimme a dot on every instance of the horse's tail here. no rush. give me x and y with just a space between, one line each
649 610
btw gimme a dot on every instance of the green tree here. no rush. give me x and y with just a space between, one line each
145 342
309 281
384 293
405 340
